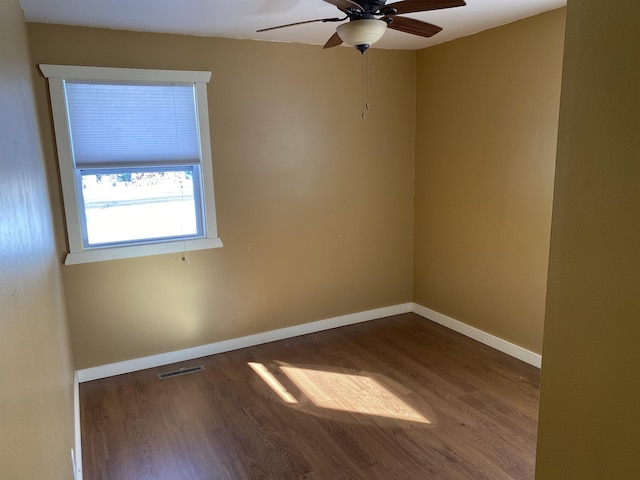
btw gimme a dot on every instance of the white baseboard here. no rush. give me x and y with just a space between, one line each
77 455
481 336
133 365
127 366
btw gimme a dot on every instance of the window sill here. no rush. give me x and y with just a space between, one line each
117 253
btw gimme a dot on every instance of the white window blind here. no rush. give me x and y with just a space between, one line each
114 125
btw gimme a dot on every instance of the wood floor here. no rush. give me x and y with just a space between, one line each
394 399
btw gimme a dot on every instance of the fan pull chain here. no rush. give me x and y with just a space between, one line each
365 84
185 251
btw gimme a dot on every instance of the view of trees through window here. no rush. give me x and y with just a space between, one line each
127 205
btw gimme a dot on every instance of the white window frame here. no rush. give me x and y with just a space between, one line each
78 252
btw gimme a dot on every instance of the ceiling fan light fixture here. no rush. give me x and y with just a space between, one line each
362 33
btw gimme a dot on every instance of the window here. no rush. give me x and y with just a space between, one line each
135 161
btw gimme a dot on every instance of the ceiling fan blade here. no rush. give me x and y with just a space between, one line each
300 23
410 6
413 26
333 41
345 5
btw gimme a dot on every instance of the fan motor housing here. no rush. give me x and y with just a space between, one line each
371 6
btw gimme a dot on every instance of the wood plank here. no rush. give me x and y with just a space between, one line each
399 397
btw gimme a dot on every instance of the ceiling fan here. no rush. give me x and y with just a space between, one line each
369 19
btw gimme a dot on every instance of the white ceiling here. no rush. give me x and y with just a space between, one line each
241 18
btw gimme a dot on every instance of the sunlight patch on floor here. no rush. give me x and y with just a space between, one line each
273 382
340 391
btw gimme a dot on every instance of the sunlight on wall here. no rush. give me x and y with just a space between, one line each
340 391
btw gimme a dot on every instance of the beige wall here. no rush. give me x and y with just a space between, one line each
269 183
485 151
36 392
589 415
315 205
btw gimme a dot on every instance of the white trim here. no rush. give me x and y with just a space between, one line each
206 164
481 336
127 366
131 251
78 433
118 368
65 163
76 72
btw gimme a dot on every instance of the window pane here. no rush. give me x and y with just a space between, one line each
125 205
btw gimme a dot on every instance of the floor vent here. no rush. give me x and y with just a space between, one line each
182 371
